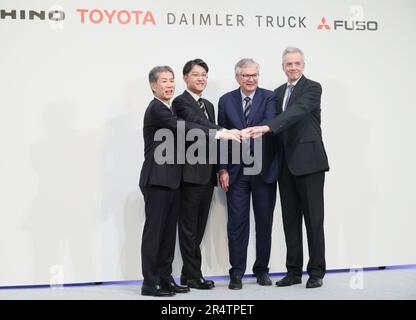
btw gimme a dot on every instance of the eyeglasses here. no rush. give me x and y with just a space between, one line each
198 75
254 76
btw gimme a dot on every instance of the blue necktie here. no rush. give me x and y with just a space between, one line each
290 88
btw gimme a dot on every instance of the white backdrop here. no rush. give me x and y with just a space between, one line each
73 94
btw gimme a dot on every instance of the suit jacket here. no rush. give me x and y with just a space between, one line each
159 116
186 107
263 110
300 128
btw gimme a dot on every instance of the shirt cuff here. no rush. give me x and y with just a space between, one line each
217 135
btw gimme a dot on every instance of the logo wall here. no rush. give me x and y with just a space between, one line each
98 16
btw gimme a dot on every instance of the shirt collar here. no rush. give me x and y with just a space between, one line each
167 105
294 83
251 96
194 95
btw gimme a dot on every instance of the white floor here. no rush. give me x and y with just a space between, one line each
380 284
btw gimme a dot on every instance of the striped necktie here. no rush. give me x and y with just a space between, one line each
202 107
247 107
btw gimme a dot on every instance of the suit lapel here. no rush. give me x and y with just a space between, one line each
163 105
210 112
296 90
194 103
280 93
257 100
239 107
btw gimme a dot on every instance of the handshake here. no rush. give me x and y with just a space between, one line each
247 133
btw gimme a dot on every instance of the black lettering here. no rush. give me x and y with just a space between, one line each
40 15
4 14
258 20
205 21
338 23
240 19
228 22
301 24
348 27
56 15
284 21
183 19
360 25
217 23
291 18
372 25
169 16
269 20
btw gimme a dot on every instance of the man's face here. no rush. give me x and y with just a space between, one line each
248 79
293 65
196 80
164 87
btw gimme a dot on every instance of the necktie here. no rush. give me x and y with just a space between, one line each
290 88
247 107
202 107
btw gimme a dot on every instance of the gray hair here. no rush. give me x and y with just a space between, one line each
292 50
245 63
154 73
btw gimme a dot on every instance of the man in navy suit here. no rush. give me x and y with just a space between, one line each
248 106
303 162
160 184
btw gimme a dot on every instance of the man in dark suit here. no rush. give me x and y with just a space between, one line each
303 162
160 182
198 179
247 106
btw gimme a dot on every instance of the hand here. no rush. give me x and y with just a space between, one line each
256 132
245 133
233 134
224 179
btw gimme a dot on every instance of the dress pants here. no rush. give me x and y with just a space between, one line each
303 196
238 226
193 216
159 233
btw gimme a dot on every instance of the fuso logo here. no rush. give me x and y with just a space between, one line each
323 24
349 25
356 25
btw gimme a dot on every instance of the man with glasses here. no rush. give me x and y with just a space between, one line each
198 179
244 107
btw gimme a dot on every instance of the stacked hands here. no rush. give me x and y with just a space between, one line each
247 133
238 135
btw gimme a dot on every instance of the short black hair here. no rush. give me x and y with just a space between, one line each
190 64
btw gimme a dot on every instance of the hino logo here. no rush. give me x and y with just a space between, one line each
52 15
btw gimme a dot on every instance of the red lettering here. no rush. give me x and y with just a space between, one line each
110 16
100 16
149 18
82 11
127 15
96 16
137 15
